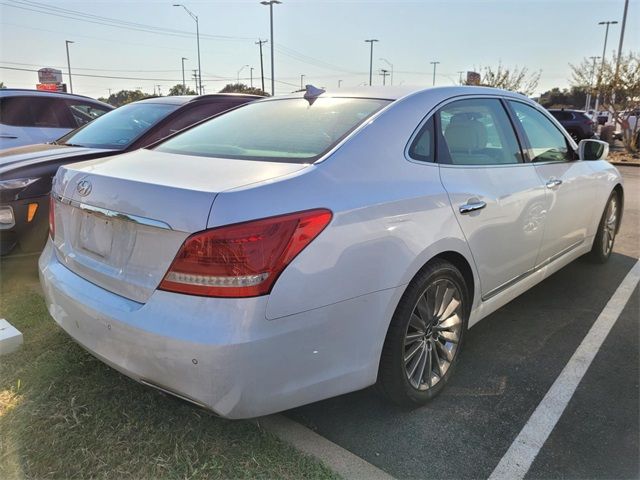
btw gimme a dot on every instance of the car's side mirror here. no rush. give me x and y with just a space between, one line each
590 149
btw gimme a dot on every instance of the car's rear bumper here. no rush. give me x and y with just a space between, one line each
222 353
30 235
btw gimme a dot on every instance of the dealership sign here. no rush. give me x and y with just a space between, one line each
473 78
49 76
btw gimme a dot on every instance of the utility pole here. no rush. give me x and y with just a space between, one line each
260 42
184 84
391 65
339 83
195 17
273 76
195 77
109 91
159 92
302 81
371 41
624 24
434 71
460 72
604 53
251 77
384 73
67 42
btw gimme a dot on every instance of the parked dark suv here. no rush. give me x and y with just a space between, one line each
576 122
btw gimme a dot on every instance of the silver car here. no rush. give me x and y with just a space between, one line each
306 246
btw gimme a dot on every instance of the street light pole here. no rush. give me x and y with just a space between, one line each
184 83
371 41
604 54
339 83
384 74
195 17
260 42
391 65
251 77
241 68
434 71
67 42
273 77
302 81
593 70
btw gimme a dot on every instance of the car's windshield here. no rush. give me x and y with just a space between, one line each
119 128
289 130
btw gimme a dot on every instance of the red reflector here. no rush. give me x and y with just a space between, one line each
245 259
52 217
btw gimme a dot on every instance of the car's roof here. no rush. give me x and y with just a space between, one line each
184 99
398 92
12 92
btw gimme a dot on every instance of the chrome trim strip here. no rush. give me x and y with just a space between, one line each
105 212
515 280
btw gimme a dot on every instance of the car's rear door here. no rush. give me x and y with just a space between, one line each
497 197
569 182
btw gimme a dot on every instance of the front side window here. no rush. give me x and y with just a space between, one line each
477 132
289 130
547 143
120 127
84 112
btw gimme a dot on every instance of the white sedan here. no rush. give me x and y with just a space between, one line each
303 247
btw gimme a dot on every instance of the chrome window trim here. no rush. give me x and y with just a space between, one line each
112 214
446 102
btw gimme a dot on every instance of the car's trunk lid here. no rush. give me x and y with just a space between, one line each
119 222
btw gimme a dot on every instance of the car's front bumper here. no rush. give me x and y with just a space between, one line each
29 234
222 353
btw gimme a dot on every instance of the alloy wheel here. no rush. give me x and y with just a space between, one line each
609 226
433 334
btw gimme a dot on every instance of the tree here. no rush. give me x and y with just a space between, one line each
514 79
2 85
619 93
125 96
242 88
575 97
180 89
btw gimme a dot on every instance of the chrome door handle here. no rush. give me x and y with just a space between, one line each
4 135
554 182
472 207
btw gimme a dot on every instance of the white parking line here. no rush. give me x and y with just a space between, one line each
338 459
516 462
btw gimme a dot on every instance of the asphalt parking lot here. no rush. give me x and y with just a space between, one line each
509 362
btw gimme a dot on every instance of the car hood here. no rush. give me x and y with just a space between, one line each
14 158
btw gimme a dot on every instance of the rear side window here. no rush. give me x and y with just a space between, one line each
35 112
289 130
477 132
423 146
187 117
547 143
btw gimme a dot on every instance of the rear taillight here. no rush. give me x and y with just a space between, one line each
52 218
245 259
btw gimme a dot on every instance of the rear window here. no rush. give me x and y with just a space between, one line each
288 130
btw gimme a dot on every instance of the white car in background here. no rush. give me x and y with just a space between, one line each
299 248
28 117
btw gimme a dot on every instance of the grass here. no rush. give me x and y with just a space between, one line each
64 414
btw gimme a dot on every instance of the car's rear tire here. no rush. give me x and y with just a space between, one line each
425 335
607 230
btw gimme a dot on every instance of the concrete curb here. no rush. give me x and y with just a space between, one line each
341 461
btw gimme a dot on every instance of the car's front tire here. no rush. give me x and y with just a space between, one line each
425 335
607 230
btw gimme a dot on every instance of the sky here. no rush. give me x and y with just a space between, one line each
321 39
